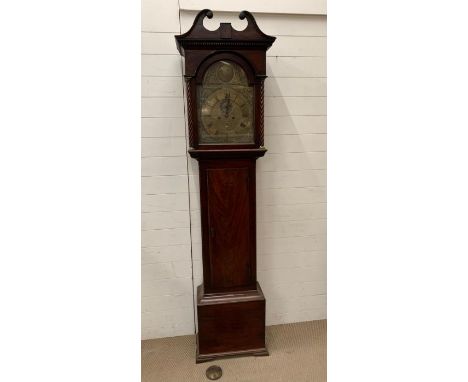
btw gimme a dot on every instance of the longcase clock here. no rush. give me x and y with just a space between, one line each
225 73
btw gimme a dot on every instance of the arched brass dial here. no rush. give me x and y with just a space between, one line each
225 106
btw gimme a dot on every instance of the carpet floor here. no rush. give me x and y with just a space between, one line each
297 354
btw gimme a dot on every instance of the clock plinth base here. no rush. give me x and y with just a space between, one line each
230 324
242 353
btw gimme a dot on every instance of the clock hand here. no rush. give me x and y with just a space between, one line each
226 105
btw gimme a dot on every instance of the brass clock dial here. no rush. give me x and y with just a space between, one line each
225 106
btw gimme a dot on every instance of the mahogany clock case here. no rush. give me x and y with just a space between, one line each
226 129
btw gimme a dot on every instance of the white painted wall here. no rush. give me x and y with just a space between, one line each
291 178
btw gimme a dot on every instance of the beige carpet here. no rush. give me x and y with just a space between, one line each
297 354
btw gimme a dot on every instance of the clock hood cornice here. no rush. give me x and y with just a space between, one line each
225 37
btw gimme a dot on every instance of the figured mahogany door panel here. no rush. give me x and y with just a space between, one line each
229 226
